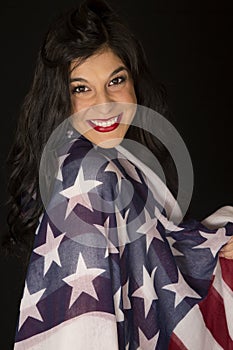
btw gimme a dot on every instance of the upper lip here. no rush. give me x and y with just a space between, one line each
105 119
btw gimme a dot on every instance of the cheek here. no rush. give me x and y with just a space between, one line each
73 104
132 95
134 98
77 104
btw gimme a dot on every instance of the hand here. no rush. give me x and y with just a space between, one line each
227 250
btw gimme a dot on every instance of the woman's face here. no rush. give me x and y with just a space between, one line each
103 98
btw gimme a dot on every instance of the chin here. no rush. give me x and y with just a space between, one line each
111 143
107 139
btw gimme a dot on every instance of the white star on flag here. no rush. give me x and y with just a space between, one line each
150 230
28 306
82 280
118 311
167 224
125 293
49 250
78 193
60 162
122 232
147 291
114 169
130 169
145 343
110 247
175 252
181 290
214 241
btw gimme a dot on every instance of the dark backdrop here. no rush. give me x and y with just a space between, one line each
189 48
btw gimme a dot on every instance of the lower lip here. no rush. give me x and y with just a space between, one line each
106 128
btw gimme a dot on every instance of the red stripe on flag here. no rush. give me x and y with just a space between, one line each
213 312
176 343
227 268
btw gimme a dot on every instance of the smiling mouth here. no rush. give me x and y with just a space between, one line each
106 125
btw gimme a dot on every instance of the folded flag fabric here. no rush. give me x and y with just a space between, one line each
110 270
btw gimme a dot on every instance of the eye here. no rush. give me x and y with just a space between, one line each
117 80
80 89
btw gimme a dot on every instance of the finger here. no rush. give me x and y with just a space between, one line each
229 244
226 255
230 257
227 248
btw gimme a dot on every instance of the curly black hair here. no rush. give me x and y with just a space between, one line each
79 33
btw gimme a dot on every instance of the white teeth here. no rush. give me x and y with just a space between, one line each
105 124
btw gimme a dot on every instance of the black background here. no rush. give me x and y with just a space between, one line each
189 48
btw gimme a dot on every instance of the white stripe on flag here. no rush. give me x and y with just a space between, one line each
93 330
192 331
227 294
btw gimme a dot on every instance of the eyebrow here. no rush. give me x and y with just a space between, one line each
117 70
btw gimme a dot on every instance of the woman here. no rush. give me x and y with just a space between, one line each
108 266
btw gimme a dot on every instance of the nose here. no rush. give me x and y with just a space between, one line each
104 103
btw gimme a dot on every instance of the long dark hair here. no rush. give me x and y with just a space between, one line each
79 33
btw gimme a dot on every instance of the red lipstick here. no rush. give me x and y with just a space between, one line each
109 128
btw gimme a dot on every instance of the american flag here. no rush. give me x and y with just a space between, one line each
209 325
109 270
